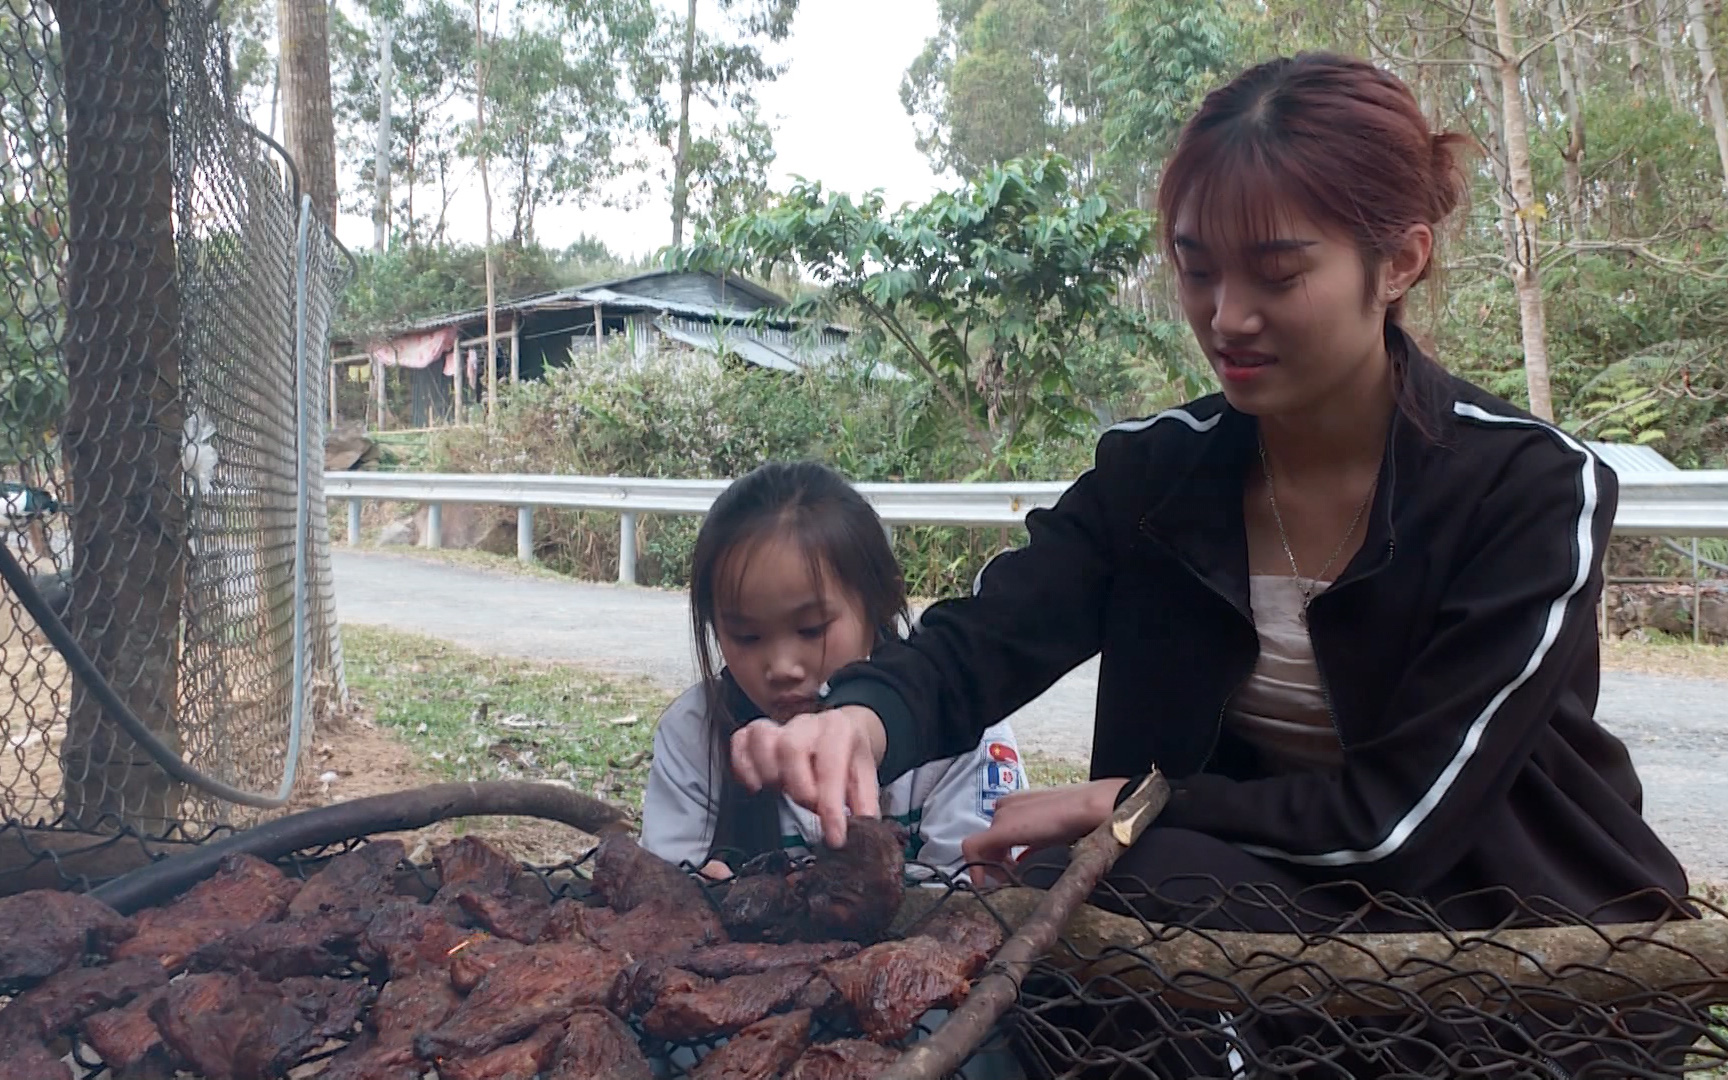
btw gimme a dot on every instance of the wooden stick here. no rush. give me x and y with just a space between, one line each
969 1025
1365 974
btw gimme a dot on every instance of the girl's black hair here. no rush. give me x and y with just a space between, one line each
843 541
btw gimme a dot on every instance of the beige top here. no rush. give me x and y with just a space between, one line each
1281 709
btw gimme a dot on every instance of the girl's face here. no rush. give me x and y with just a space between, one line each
1286 321
784 630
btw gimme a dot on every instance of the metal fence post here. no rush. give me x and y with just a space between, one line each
525 534
435 525
353 522
627 548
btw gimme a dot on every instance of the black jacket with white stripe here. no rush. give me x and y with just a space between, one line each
1458 651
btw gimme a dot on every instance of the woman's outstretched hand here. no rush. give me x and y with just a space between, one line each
825 762
1040 818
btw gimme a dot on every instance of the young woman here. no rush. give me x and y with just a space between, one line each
1346 605
792 577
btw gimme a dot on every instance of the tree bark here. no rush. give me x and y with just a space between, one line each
480 73
681 161
124 418
308 126
1665 53
1566 63
1495 144
1527 215
1629 18
1712 80
381 156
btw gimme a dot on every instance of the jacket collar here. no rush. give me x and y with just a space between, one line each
1198 513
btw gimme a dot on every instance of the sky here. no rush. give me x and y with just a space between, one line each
837 116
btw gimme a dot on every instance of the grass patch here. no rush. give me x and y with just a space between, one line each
1665 654
1047 770
475 717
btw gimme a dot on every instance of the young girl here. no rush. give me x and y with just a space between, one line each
792 578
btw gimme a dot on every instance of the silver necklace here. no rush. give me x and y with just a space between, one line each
1311 590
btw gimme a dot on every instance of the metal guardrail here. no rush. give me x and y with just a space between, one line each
1678 503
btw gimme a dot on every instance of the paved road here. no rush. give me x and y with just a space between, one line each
1677 729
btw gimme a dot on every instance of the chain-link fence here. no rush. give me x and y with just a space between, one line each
163 336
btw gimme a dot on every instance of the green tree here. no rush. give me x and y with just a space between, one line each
992 292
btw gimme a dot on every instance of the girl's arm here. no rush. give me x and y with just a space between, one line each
960 804
678 807
1516 622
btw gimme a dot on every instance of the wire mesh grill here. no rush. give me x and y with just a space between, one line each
149 396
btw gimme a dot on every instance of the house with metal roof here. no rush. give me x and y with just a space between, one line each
441 361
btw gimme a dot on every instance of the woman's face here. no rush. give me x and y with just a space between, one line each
1286 320
783 630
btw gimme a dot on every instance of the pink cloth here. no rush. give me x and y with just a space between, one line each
419 350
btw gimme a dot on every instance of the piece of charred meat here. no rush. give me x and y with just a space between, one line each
854 892
316 944
125 1037
409 937
661 927
357 880
724 1007
761 1051
973 934
43 931
763 904
640 985
627 876
519 918
521 1060
23 1057
536 985
474 959
469 864
598 1046
845 1059
405 1007
750 958
75 993
887 987
246 891
244 1029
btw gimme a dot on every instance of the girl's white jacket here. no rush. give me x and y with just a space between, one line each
941 803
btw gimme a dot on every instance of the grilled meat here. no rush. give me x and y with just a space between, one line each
721 1008
411 937
887 987
854 892
333 1005
536 985
475 958
661 927
597 1046
522 1060
246 891
75 993
641 984
572 921
627 876
846 1059
519 918
23 1057
975 934
761 1051
357 880
124 1037
315 944
741 958
763 904
405 1007
43 931
469 864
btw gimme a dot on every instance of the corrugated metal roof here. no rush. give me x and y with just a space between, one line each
1623 458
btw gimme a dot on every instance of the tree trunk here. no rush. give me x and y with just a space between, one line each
308 127
1527 214
480 72
1495 144
1566 63
681 161
1629 17
1712 80
1665 53
124 417
381 156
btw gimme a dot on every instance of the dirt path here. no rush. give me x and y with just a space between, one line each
1676 728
